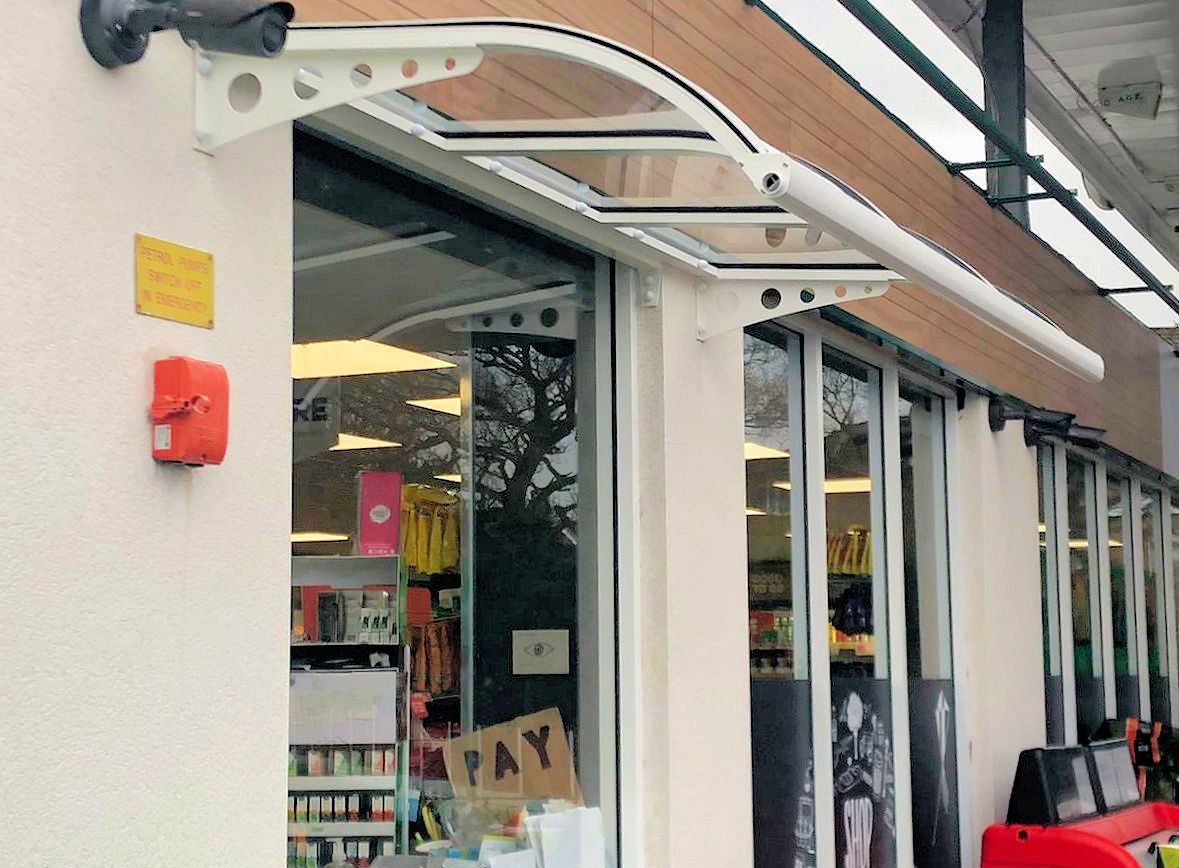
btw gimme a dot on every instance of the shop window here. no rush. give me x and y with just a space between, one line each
1050 597
1156 608
780 680
1086 596
449 635
857 591
1122 598
932 721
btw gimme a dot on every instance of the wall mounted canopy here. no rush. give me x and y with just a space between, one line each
626 142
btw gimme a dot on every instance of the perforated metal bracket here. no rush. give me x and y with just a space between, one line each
555 318
237 95
725 305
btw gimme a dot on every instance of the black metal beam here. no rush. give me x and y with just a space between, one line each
1019 198
997 163
1005 89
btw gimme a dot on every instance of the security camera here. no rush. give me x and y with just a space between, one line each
116 32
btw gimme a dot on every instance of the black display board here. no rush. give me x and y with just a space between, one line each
865 792
1126 688
783 785
934 764
1090 707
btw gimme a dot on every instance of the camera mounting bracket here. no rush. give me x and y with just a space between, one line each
238 95
726 304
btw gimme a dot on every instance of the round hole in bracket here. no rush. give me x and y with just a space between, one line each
771 183
450 63
488 321
840 291
549 317
306 83
771 298
517 320
409 68
245 92
807 295
362 75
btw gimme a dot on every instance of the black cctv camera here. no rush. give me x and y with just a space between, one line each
116 32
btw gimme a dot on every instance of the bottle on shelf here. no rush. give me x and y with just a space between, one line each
338 858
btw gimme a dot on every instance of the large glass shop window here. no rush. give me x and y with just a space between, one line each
1086 596
932 722
780 685
1122 597
445 613
1156 608
857 593
1050 597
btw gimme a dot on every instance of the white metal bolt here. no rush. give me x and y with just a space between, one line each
417 130
204 64
581 208
495 166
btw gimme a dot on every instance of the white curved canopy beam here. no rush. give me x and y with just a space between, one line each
696 181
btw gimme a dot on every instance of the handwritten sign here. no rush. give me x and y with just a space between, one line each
525 758
173 282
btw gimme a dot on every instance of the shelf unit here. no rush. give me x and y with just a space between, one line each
337 783
356 829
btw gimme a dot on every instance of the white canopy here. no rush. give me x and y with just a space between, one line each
624 141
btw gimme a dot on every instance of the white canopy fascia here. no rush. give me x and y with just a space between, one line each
370 65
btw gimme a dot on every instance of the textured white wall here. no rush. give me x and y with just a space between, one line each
1004 665
144 609
696 770
1169 384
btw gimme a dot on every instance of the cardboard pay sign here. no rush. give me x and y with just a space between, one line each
524 758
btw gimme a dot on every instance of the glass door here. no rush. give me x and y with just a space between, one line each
929 654
1121 578
862 724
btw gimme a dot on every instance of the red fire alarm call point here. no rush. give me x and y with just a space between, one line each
190 412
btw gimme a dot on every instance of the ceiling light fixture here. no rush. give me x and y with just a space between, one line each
753 510
856 485
755 452
347 442
316 536
455 478
322 359
452 406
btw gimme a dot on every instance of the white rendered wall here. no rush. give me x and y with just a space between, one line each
143 627
1169 385
697 760
1004 664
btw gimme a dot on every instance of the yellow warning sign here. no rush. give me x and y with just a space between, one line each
173 282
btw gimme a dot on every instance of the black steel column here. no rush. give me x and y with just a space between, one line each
1006 95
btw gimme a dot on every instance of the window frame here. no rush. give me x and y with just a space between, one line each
816 335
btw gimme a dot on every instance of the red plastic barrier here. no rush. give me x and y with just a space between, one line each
1099 842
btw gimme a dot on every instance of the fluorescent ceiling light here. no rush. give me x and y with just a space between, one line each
855 485
355 358
456 478
753 510
367 250
316 536
755 451
345 442
452 406
836 486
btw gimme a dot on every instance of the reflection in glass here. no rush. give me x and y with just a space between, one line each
932 725
1050 597
1086 597
783 771
1156 609
1122 598
857 592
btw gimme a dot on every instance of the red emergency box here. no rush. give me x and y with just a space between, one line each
190 412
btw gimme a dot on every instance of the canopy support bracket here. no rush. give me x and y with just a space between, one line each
726 304
238 95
